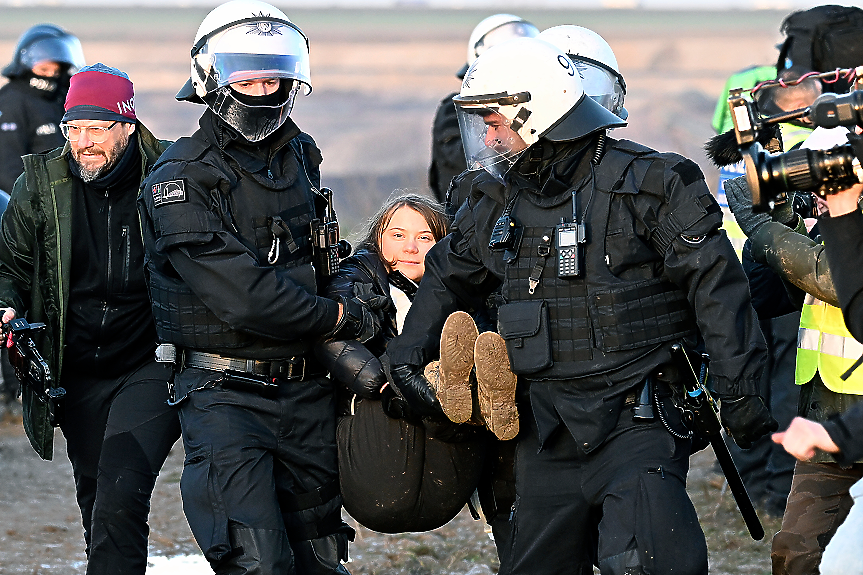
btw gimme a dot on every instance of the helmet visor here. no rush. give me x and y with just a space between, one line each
65 50
490 142
601 85
231 67
255 50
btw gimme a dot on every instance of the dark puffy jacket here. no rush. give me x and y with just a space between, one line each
354 364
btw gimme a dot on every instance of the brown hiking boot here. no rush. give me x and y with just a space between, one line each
457 340
495 386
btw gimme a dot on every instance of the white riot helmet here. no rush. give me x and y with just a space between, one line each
248 40
595 62
518 92
494 30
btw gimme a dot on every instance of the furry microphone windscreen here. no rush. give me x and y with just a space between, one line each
723 151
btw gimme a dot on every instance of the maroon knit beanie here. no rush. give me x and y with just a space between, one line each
99 92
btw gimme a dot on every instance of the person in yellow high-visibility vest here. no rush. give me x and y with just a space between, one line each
819 498
766 469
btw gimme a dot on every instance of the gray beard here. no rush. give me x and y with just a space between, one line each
90 175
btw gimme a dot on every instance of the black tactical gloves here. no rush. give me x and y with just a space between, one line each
746 418
352 364
361 318
416 390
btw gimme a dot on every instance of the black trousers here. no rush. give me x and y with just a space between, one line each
118 433
260 480
623 506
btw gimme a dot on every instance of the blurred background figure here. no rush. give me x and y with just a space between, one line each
448 158
31 103
31 106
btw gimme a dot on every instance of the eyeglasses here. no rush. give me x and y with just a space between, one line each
96 134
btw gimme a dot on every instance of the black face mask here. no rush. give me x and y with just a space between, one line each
253 117
49 87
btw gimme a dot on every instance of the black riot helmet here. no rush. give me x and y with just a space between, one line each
45 42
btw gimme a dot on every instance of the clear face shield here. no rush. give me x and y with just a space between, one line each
491 140
601 85
253 50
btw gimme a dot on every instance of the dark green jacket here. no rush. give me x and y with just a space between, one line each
35 256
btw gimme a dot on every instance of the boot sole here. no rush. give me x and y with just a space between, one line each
457 342
496 386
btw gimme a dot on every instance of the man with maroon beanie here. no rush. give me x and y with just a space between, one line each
90 292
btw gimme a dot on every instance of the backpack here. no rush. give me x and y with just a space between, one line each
822 39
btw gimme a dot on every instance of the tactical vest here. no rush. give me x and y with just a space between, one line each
281 238
597 322
824 345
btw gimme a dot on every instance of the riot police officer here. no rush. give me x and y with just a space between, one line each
31 104
226 216
606 253
447 153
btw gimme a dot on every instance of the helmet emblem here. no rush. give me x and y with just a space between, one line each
264 28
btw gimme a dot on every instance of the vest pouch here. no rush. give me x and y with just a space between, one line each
524 326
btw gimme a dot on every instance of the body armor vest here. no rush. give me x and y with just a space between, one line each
597 322
281 238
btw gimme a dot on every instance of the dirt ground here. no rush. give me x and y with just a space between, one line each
378 77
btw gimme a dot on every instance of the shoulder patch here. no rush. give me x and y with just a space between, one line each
169 192
688 171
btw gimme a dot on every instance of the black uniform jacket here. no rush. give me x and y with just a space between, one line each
213 229
653 200
29 124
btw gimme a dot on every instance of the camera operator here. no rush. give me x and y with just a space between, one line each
819 498
842 230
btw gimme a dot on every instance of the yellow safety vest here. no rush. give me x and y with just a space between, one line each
793 135
824 345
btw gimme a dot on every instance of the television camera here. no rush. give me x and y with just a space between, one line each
769 176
